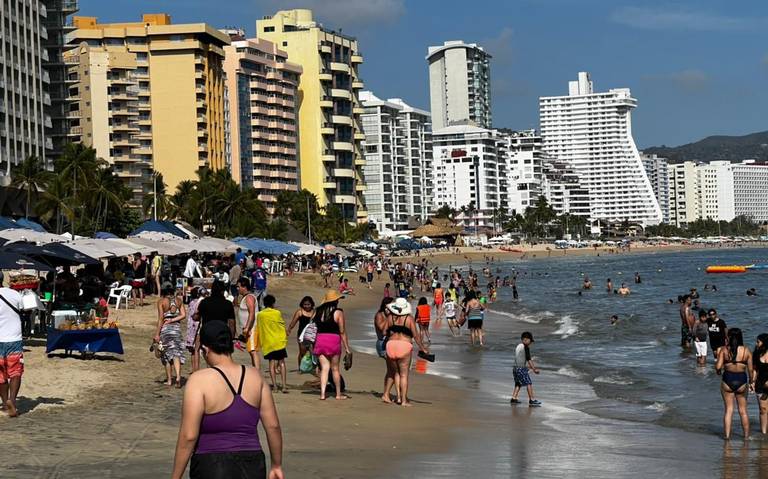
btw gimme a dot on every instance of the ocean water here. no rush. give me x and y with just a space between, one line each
616 397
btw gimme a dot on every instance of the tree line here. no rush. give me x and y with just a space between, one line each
83 195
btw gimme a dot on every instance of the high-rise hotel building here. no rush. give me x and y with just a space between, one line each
149 96
471 172
459 84
24 97
263 104
330 134
593 133
55 44
398 162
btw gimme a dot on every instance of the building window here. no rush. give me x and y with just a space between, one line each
269 29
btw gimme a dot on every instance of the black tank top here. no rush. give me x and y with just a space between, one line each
327 325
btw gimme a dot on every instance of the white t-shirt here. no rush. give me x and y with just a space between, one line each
522 356
450 309
192 269
10 322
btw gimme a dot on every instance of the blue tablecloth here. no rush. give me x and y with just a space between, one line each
86 341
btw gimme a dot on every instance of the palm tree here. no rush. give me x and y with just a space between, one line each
162 207
55 202
79 163
106 195
31 176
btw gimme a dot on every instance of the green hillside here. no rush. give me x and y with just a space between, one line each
733 148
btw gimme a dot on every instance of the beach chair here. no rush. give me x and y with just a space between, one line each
120 294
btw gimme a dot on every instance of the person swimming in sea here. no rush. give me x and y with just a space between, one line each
624 290
587 283
751 292
609 285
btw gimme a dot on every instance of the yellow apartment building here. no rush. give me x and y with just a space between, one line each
149 96
330 133
263 102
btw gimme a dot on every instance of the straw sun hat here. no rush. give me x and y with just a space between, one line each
331 295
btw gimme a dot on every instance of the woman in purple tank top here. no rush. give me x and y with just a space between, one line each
220 414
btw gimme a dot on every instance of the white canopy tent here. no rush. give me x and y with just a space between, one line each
18 234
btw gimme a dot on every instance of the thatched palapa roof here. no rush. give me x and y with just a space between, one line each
435 231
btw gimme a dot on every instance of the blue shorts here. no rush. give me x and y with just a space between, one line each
522 378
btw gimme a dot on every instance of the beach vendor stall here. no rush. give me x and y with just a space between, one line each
74 322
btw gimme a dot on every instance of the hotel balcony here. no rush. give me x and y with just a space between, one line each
325 49
339 67
329 183
358 85
327 129
341 120
357 59
358 110
344 172
348 199
325 76
343 146
359 136
338 93
328 157
326 102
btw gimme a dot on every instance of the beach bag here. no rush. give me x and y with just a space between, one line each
307 364
309 335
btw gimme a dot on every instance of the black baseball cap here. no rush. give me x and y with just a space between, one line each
527 335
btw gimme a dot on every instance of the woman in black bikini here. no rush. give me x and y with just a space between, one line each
760 378
734 361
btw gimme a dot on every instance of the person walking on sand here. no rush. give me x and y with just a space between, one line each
193 325
170 313
380 324
401 332
247 306
273 338
423 318
523 364
473 316
438 298
734 362
760 378
11 349
331 336
155 271
302 317
219 424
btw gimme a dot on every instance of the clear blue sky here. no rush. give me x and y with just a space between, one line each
697 67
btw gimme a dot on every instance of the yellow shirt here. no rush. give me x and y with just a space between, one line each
272 334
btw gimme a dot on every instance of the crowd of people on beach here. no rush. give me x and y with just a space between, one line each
743 371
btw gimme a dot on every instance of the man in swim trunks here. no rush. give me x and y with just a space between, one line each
686 322
11 349
700 332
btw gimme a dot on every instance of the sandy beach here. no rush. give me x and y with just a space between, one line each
112 417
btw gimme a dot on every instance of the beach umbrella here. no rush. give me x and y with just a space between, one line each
53 254
11 260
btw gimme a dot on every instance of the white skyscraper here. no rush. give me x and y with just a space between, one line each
750 187
656 169
592 132
702 191
525 169
459 84
470 169
398 168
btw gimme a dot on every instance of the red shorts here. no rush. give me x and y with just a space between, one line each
11 361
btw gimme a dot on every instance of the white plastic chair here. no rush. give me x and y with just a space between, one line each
119 294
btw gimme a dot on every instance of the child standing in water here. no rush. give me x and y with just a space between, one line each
520 370
423 317
700 334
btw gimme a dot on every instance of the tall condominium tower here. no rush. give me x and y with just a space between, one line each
459 84
23 85
593 133
657 171
526 176
149 96
263 98
57 25
330 134
750 184
398 162
701 191
470 170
